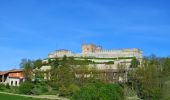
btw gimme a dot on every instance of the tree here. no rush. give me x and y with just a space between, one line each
147 80
27 66
134 63
37 64
166 67
62 74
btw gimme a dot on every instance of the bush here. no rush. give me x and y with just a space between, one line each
26 88
2 87
68 91
36 91
7 86
13 89
54 86
99 91
44 89
63 91
73 89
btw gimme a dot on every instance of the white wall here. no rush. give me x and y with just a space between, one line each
14 82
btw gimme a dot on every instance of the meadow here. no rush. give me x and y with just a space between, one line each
15 97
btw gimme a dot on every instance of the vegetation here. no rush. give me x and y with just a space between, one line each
104 58
26 88
63 75
134 63
15 97
37 64
99 91
149 80
27 66
71 77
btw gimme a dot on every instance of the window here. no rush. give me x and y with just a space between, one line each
11 83
15 83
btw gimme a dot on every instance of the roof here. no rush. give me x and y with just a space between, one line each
15 70
10 71
2 73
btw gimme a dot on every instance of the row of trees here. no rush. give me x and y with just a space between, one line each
69 78
149 80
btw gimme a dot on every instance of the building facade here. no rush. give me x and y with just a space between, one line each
91 50
100 56
12 77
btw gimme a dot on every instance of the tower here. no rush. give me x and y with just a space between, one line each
88 48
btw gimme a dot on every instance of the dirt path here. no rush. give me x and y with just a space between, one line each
52 97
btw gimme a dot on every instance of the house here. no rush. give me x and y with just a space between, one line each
12 77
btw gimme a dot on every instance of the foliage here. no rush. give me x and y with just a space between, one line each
27 66
15 97
62 72
166 66
147 79
134 63
37 64
39 75
73 89
14 89
26 88
99 91
2 87
62 75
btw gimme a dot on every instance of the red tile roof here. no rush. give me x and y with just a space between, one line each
2 73
10 71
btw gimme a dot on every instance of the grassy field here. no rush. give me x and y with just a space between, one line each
14 97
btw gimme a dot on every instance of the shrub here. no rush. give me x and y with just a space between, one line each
7 86
99 91
54 86
73 89
63 91
13 89
26 88
36 91
44 89
2 87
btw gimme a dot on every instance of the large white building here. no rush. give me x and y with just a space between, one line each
91 50
101 57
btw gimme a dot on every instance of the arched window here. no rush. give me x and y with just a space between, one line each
11 83
15 83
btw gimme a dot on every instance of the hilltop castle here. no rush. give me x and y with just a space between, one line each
91 50
107 61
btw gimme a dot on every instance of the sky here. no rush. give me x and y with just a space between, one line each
33 28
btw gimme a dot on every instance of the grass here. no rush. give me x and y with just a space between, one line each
15 97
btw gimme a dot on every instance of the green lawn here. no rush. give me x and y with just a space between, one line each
14 97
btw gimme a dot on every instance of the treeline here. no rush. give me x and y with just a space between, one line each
151 80
68 78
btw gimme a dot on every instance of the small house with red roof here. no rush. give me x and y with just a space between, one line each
12 77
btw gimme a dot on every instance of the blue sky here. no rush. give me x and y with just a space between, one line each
33 28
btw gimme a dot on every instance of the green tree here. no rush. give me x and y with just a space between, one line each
166 67
27 66
37 64
134 63
147 80
62 73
